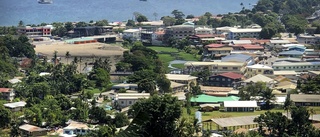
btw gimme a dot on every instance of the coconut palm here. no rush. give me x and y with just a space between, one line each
68 55
268 97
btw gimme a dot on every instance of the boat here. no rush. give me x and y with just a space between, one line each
45 1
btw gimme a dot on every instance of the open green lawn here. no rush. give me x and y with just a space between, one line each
94 90
168 54
163 49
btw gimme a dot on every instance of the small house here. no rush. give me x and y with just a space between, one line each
16 106
30 130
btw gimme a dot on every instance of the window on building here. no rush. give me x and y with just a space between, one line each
224 67
122 102
229 79
235 68
259 70
130 102
217 79
223 79
214 67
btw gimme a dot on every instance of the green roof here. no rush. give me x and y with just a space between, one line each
78 39
212 99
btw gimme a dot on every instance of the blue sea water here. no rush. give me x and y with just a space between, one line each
30 12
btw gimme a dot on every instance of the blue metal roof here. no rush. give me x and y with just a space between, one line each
236 57
291 52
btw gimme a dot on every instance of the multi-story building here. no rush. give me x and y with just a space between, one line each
258 69
35 31
236 33
214 67
308 39
7 93
180 31
91 31
183 79
277 44
217 50
203 31
296 66
240 58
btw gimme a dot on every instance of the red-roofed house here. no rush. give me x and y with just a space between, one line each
7 93
228 79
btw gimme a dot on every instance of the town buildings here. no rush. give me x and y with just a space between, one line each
214 67
237 33
35 31
180 31
228 79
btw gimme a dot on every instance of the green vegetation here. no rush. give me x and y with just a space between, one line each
179 66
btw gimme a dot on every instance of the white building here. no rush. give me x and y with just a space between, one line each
237 33
132 34
16 106
203 31
296 66
240 106
223 30
308 39
278 43
128 99
75 128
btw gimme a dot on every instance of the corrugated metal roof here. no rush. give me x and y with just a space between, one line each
212 99
235 121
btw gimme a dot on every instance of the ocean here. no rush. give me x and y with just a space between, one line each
31 12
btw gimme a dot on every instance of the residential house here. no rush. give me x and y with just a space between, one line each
178 87
305 99
131 34
183 79
258 69
15 106
247 48
75 128
240 58
259 78
128 99
293 75
209 107
7 93
31 130
214 67
277 44
217 50
285 86
228 79
240 106
237 33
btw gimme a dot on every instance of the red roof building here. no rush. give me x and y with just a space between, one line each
228 79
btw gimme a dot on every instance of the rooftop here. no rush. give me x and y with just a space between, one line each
259 78
180 77
15 104
285 73
5 90
305 98
215 89
260 66
76 125
131 30
190 63
291 52
280 41
215 45
31 128
212 99
235 58
234 121
236 30
235 42
240 104
231 75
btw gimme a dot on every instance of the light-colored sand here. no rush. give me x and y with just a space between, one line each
83 50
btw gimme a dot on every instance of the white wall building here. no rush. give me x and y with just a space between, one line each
128 99
237 33
203 31
278 43
133 34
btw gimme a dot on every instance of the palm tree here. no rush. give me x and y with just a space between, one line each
287 104
155 15
268 97
68 55
55 57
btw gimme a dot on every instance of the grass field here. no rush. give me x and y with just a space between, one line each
164 49
179 66
168 54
